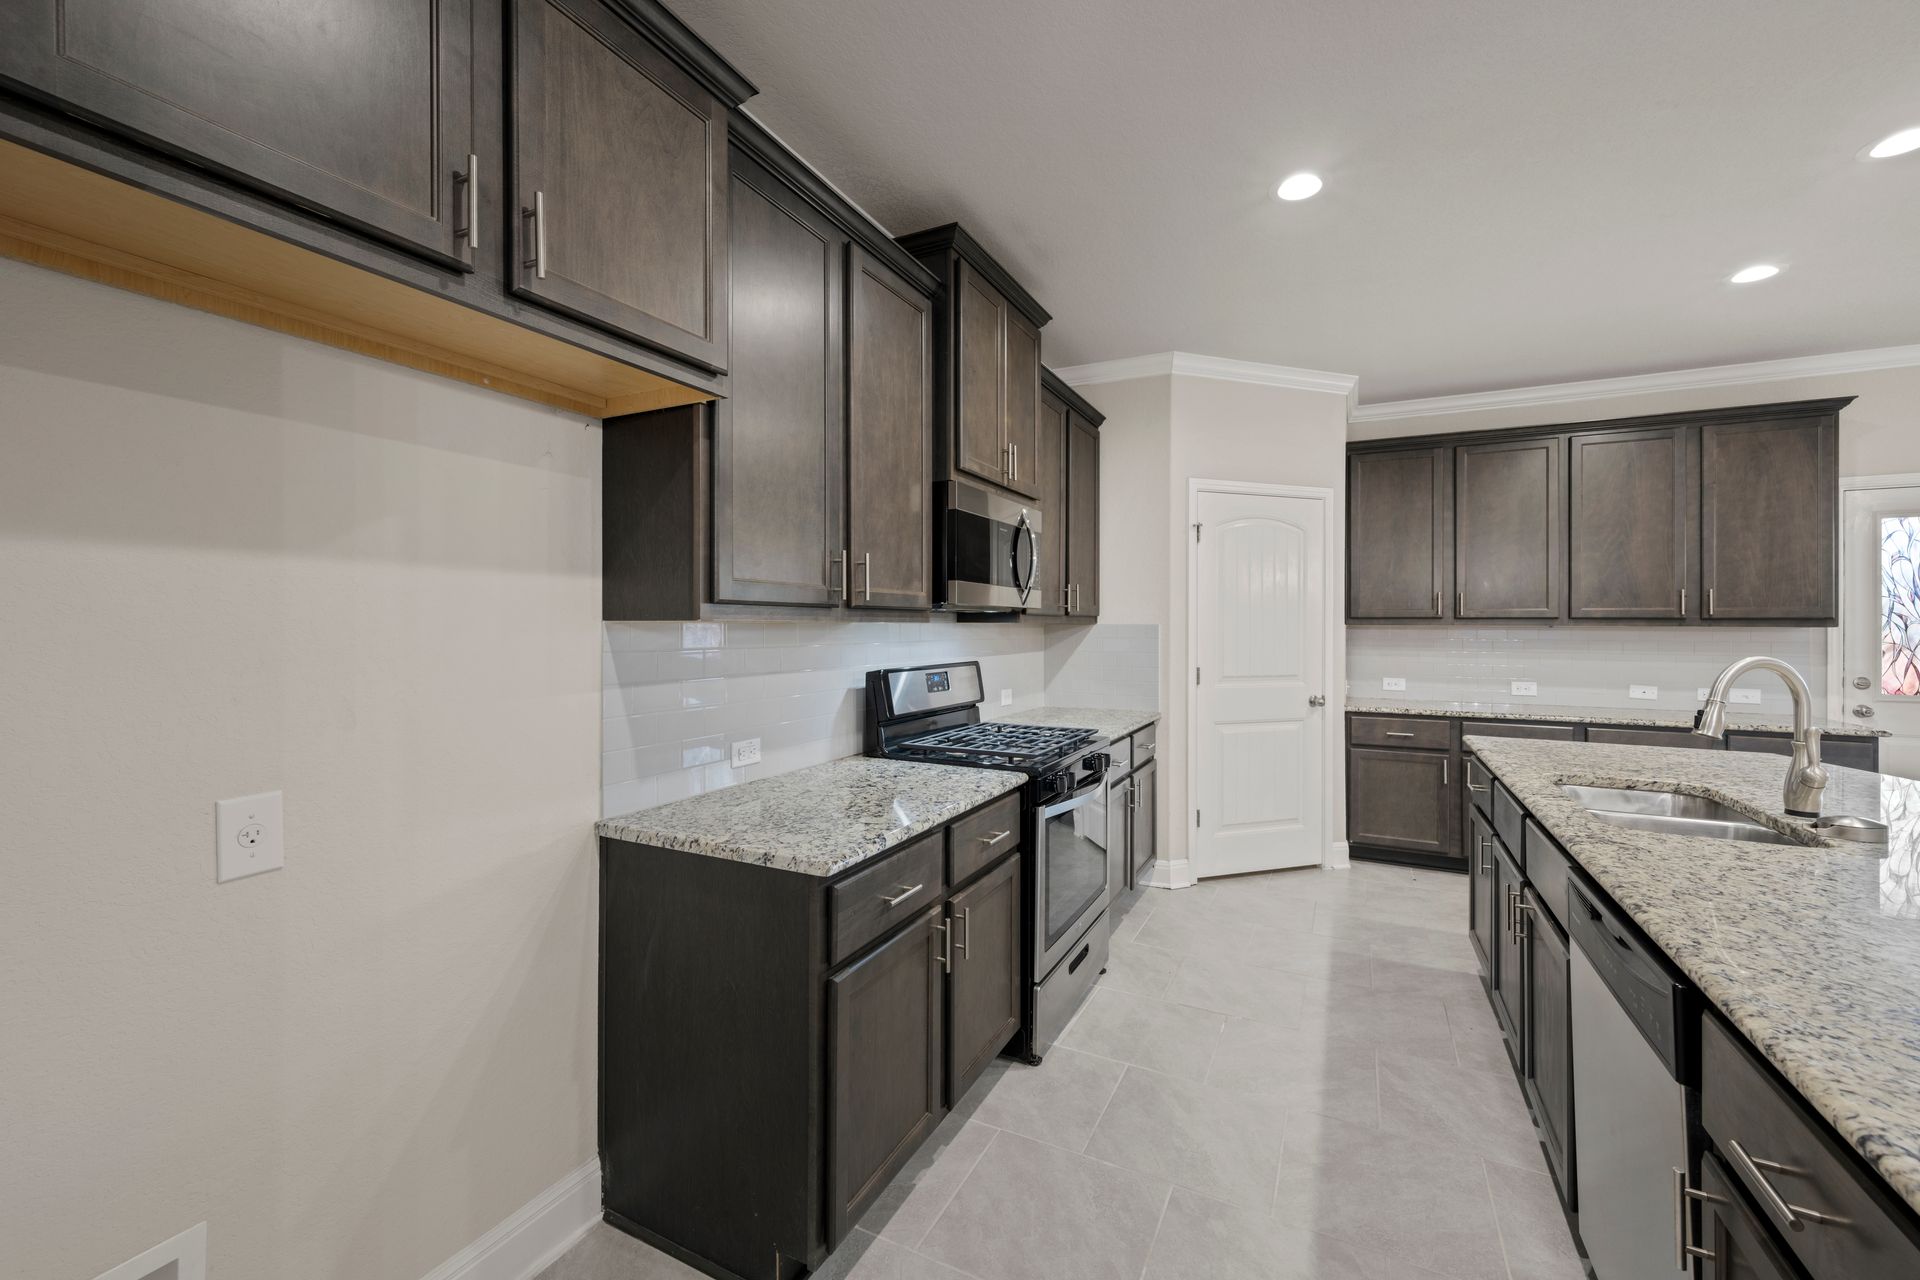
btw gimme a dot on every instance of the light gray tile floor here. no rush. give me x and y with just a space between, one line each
1281 1077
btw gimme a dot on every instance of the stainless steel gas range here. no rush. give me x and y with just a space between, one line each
932 713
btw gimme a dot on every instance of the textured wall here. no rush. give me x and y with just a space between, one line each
231 562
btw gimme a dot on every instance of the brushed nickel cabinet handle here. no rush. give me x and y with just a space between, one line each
1459 604
839 561
945 929
1445 764
903 895
1683 1245
966 930
538 262
1394 733
1790 1217
1709 602
866 576
471 181
1436 604
993 838
1683 602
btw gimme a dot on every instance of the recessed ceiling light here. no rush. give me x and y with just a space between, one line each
1299 187
1897 144
1758 271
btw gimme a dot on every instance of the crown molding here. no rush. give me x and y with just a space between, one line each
1725 375
1187 365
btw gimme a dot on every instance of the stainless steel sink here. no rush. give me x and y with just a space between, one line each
1671 813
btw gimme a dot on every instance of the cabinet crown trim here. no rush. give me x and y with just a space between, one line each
1188 365
1688 417
1051 384
695 56
955 239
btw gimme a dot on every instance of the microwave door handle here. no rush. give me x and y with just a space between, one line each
1033 562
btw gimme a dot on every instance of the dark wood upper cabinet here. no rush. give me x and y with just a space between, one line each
1050 596
889 438
1629 524
778 438
1508 547
884 1016
359 109
1083 518
1399 520
620 180
987 419
984 989
1769 540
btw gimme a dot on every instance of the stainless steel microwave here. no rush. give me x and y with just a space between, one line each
986 551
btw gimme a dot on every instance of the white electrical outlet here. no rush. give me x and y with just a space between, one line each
1746 695
1393 684
1006 697
1647 691
248 837
1701 694
1525 688
746 752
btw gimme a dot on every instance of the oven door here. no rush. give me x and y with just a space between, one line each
1072 872
989 551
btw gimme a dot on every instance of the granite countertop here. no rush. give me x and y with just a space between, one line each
1112 723
1651 718
818 821
1812 952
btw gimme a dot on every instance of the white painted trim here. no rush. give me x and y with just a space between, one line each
188 1251
1172 873
1339 856
1188 365
1903 480
1839 698
1334 553
537 1233
1725 375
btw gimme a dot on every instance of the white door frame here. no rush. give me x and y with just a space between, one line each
1837 701
1332 548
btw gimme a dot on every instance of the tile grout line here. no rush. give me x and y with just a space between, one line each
1111 1095
1146 1259
1486 1178
955 1193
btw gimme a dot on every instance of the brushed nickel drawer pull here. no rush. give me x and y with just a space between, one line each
1471 787
471 180
1790 1217
1395 734
945 929
1683 1245
993 838
538 262
903 895
966 930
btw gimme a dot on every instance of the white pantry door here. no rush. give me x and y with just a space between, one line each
1260 599
1880 629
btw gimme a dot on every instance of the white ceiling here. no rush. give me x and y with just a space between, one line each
1518 191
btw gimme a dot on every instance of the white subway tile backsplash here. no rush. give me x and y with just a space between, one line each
1109 665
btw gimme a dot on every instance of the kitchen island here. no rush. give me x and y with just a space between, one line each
1809 950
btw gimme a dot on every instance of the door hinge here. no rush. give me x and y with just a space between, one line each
1196 677
1196 531
1196 819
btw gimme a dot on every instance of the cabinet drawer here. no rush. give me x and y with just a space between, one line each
1145 742
1547 867
1520 729
1507 818
1480 786
1390 731
895 889
1651 737
1743 1110
982 838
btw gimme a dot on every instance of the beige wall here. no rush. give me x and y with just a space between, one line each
233 562
1160 433
1879 431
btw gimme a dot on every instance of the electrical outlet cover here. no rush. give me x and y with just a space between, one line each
1393 684
1525 688
1006 697
248 836
1746 695
1647 691
746 752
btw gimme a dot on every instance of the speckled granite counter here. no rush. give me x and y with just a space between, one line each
1651 718
818 821
1813 953
1111 723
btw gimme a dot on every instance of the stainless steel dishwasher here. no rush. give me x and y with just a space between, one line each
1634 1092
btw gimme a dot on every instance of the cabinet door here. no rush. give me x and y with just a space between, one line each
984 992
1144 837
362 109
1481 890
1024 472
889 438
778 436
1507 529
884 1026
1050 597
1083 516
1402 800
1399 518
1549 1038
980 329
1509 954
1739 1246
620 181
1629 524
1768 542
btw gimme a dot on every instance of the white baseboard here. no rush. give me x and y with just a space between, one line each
537 1233
1172 873
1338 856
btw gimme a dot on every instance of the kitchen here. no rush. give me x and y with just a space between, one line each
825 643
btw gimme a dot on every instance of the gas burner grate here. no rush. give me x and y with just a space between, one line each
1003 740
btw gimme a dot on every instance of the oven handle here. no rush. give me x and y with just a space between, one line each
1079 799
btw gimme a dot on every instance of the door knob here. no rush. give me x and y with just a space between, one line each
1317 700
1863 712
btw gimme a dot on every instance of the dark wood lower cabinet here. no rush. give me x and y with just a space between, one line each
1481 892
1548 1074
985 1006
1402 800
884 1032
1143 840
1738 1244
1509 987
1850 753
